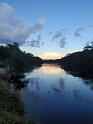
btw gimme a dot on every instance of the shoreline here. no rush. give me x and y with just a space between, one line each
11 108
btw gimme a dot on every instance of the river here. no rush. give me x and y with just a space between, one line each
53 96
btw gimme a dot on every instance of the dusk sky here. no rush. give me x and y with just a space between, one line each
47 28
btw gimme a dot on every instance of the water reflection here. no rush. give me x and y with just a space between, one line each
76 93
36 99
60 89
18 81
89 83
61 83
35 82
56 90
51 69
53 96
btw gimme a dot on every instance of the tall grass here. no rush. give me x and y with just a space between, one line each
11 108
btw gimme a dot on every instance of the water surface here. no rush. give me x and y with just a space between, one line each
53 96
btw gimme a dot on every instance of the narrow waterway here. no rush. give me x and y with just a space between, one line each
53 96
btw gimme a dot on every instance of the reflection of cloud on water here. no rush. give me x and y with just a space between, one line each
76 93
61 83
59 90
33 89
59 87
51 69
56 90
37 86
34 82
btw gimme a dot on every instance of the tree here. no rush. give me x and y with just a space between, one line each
88 46
16 44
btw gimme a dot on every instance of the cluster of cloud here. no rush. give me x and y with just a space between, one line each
60 38
52 55
35 43
62 42
58 35
13 29
78 32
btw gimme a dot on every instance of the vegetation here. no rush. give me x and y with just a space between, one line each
17 59
80 62
11 108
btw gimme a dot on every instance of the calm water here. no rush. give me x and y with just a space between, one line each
53 96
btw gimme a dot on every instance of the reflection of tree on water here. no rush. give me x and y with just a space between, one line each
17 76
89 83
18 81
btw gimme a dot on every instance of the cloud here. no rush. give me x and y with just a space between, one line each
35 43
78 32
57 35
38 26
62 42
5 12
50 33
60 38
90 26
13 29
51 55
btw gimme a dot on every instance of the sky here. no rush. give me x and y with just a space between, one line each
47 28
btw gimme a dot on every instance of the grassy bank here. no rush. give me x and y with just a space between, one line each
11 108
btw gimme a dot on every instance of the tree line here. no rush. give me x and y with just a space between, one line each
80 62
16 59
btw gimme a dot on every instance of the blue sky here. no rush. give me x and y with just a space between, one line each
73 18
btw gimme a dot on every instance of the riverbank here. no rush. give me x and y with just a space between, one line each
11 108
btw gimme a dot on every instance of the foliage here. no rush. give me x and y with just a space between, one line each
11 108
80 62
16 58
